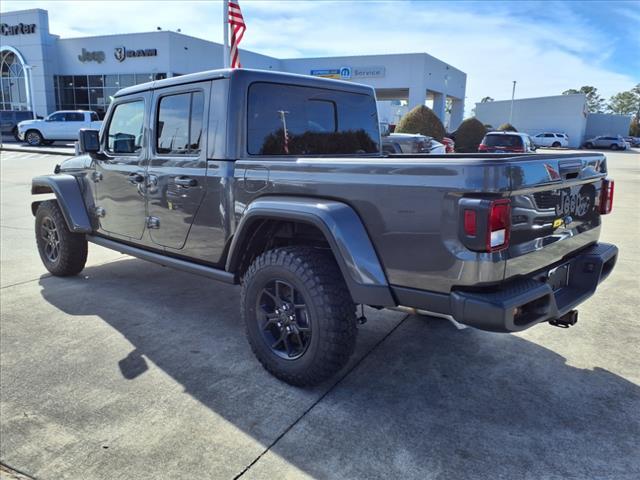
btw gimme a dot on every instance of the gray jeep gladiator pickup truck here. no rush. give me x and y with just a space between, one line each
276 182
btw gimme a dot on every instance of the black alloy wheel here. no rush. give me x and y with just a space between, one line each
284 322
51 239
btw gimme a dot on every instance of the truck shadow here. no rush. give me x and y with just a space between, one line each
429 401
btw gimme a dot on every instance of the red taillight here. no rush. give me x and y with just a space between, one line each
482 148
470 223
517 150
499 225
606 196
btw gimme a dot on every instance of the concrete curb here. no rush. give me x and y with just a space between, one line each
36 150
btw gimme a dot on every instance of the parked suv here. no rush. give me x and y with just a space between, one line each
506 142
604 141
277 182
548 139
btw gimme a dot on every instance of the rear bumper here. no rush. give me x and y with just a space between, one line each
520 304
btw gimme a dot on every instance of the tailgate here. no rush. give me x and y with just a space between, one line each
554 210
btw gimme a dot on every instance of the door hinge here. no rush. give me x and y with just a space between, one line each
96 176
153 222
99 212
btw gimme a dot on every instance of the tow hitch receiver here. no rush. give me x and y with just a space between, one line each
567 320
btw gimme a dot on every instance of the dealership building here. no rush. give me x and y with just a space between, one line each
42 72
556 114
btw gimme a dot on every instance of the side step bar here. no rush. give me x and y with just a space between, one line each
165 261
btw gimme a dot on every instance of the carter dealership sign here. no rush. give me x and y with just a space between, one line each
20 29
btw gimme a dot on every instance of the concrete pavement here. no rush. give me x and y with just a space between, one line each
131 370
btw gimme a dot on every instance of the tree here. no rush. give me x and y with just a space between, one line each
469 135
634 128
507 127
595 103
486 99
626 103
623 103
421 120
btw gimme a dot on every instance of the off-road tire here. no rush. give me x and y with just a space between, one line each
71 247
331 313
33 138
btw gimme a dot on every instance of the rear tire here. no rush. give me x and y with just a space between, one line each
556 144
33 138
614 146
62 252
588 145
298 313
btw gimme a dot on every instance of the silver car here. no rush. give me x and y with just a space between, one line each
614 142
411 143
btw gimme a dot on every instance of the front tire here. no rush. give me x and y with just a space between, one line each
62 252
556 144
298 313
33 138
614 146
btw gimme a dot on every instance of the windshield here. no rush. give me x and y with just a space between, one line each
500 140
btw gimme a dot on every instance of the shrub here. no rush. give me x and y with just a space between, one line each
469 135
507 127
421 120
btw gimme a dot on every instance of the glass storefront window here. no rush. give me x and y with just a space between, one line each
66 81
96 81
143 78
127 80
111 81
80 81
94 92
82 95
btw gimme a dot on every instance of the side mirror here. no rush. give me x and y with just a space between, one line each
89 141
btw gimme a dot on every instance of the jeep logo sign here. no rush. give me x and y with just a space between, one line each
86 56
121 53
20 29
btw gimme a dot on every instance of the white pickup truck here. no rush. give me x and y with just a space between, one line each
60 125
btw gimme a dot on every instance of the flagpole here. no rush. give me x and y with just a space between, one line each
225 26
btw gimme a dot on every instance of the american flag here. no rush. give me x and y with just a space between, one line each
237 31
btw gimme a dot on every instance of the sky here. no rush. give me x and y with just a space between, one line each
546 46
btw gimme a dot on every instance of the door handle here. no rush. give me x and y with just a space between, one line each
185 181
136 178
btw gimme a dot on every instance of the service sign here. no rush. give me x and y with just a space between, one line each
347 73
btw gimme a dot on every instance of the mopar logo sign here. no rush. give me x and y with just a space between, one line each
345 73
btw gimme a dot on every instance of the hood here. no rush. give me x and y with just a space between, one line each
29 122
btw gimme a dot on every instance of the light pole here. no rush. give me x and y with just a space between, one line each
513 96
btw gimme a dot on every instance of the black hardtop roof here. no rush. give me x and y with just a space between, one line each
247 76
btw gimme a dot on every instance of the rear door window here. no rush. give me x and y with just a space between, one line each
503 141
294 120
74 117
179 124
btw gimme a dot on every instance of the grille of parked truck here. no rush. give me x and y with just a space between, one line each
277 182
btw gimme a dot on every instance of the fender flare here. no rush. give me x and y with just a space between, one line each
69 197
344 231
